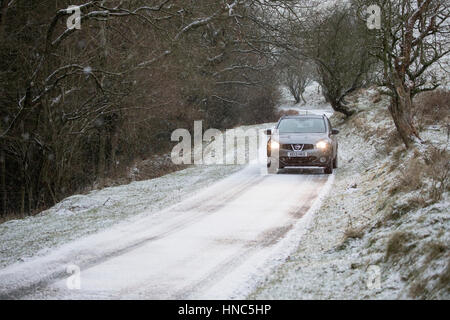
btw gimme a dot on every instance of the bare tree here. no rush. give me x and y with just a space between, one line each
338 46
414 36
296 75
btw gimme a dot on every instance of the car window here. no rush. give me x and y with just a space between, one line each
302 125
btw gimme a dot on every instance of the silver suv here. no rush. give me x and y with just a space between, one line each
302 141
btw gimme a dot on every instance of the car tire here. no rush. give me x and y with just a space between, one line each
272 167
335 162
329 168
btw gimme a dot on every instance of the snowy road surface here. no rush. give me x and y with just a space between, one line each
208 246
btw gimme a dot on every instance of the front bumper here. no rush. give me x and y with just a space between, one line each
313 158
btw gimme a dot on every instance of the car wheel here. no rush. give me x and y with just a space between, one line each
272 167
335 162
329 168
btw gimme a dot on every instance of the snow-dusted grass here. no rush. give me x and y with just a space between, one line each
367 227
80 215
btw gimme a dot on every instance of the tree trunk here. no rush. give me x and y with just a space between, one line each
400 109
303 98
294 93
101 156
30 199
332 97
3 180
102 130
22 199
339 107
114 146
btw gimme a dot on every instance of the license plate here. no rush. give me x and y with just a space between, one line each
298 154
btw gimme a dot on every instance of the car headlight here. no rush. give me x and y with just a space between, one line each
322 145
274 144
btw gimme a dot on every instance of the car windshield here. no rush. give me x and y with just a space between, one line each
301 125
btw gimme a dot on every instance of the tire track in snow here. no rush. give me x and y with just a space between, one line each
265 239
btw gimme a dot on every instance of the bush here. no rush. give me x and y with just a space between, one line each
432 108
353 233
429 172
411 177
438 171
397 244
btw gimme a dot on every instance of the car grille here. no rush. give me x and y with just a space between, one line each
290 146
297 160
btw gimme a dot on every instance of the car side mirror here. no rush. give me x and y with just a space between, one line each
268 132
334 131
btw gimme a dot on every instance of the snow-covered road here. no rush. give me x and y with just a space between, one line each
212 245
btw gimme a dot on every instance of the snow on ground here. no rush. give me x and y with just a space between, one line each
80 215
216 243
206 247
369 241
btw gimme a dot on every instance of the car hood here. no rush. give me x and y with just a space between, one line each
292 138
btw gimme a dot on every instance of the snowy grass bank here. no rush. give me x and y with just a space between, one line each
380 234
